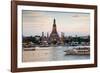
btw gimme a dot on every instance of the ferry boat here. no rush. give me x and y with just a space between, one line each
78 51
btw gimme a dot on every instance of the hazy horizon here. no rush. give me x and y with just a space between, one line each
36 22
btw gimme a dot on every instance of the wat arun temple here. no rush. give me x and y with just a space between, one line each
53 38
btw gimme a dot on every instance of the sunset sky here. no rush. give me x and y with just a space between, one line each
36 22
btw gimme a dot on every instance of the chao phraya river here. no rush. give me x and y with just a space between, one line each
50 54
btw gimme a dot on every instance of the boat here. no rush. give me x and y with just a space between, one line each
29 49
78 51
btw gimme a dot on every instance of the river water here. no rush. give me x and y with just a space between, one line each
50 54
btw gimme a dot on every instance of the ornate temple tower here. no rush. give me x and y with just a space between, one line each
62 38
54 37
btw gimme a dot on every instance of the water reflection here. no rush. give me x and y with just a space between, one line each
50 54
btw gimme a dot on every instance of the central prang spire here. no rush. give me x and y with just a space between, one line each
54 37
54 22
54 29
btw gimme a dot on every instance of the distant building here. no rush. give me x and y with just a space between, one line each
62 39
44 39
